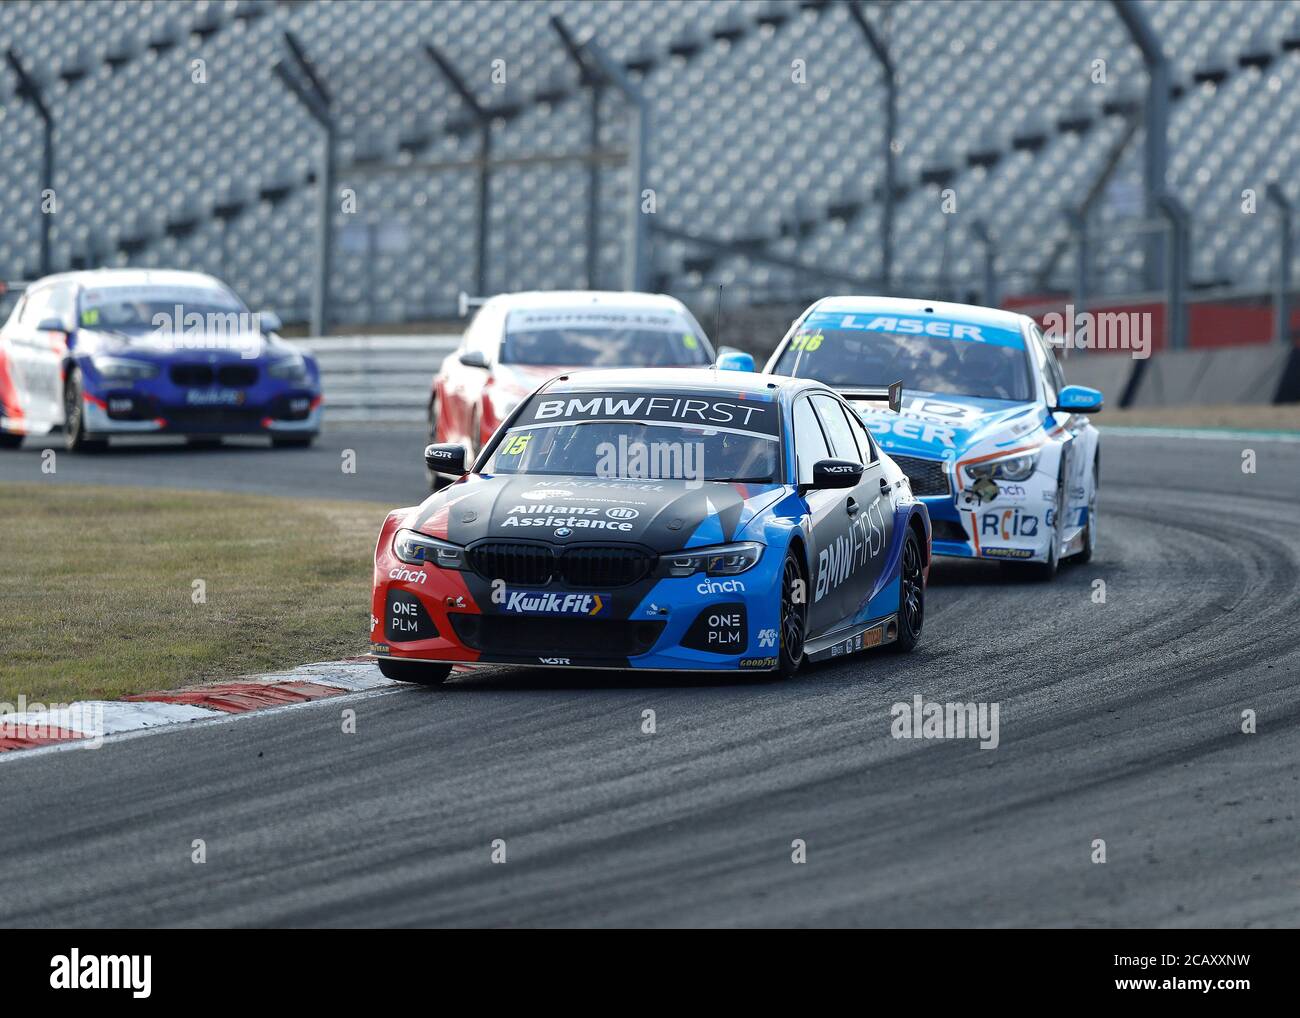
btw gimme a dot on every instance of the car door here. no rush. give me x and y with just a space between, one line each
1075 462
36 359
829 517
867 506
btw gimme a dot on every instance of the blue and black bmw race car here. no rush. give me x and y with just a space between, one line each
684 519
995 443
140 352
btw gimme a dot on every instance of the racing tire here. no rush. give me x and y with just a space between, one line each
794 616
1089 528
9 440
74 420
911 595
292 441
1044 571
422 673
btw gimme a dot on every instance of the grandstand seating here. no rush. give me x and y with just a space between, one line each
996 102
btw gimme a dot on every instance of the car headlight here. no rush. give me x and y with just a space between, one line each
422 550
123 369
290 369
1013 468
716 560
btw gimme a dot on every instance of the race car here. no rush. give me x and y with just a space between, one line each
994 442
143 352
517 341
657 519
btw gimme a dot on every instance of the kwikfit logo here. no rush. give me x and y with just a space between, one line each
524 603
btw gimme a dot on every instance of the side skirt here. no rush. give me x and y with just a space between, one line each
853 639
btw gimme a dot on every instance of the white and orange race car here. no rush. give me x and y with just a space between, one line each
995 443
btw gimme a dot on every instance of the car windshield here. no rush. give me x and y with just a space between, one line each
689 436
161 309
601 337
927 355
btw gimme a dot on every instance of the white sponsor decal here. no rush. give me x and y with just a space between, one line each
721 587
409 575
849 552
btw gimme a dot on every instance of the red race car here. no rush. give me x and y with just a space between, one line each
517 341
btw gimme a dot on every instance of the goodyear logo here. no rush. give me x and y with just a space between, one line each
525 602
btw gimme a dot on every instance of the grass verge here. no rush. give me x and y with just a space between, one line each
98 587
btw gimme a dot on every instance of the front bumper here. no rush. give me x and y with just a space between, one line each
127 413
1013 527
431 615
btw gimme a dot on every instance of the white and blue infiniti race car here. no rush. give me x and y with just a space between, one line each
993 440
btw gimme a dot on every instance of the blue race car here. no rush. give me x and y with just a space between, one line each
993 440
135 351
676 518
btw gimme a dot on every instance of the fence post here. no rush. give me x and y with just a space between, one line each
30 89
1286 252
310 90
881 53
980 229
483 118
636 268
1178 243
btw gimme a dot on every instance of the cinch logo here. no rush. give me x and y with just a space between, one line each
409 575
721 587
102 972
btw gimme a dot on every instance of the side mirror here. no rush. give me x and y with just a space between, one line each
731 359
473 359
445 459
53 325
269 321
1078 399
835 474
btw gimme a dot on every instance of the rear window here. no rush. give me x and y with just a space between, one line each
602 337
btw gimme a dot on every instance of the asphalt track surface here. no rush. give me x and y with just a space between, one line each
1119 721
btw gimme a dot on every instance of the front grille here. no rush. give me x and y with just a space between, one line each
191 374
534 565
947 530
237 376
198 419
928 477
576 639
604 567
529 564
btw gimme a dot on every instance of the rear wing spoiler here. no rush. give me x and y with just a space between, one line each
891 395
464 302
